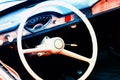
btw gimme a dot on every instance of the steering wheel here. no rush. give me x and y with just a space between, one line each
56 45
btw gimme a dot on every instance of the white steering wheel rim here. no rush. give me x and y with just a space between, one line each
75 10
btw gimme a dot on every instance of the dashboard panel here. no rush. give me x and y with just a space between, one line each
33 25
56 16
39 21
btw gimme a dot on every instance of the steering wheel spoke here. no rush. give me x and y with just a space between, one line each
74 55
35 50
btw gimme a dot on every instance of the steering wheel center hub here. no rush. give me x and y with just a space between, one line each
58 43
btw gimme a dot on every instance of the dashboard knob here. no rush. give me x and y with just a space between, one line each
9 38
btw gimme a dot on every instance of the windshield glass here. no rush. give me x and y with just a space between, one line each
4 4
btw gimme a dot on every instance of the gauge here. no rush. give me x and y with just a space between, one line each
38 22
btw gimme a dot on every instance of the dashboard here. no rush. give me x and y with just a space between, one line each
57 16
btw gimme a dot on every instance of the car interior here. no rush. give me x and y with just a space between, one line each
59 40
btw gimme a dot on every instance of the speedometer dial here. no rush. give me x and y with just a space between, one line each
38 22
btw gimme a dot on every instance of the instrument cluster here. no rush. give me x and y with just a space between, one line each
34 24
38 22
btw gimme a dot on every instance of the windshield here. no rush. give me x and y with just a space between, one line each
4 4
